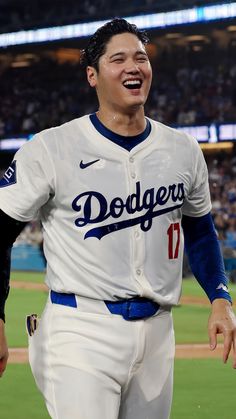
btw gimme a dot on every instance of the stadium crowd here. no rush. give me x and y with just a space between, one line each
222 176
48 94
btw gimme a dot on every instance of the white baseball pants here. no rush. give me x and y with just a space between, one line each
91 364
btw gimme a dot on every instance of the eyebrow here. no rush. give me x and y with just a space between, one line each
121 53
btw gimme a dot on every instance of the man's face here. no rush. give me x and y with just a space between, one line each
124 77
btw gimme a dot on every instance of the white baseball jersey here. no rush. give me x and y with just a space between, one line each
111 218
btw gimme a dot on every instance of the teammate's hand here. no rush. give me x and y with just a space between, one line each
3 348
222 320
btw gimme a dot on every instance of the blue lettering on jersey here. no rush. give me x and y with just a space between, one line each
9 177
88 201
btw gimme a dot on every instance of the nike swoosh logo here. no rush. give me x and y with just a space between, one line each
83 165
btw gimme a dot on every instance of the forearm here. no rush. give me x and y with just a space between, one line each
5 262
205 257
9 229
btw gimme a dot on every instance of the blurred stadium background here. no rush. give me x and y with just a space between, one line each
192 50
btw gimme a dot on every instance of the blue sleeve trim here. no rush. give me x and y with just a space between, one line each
205 257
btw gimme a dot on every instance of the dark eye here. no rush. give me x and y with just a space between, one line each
118 60
142 59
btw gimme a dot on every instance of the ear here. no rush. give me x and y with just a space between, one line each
92 76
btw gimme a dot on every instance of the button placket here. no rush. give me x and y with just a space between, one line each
137 243
132 168
137 234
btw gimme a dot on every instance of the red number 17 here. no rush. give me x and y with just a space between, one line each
173 240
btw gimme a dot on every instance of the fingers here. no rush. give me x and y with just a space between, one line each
3 349
3 364
223 321
2 369
234 352
229 343
227 346
212 332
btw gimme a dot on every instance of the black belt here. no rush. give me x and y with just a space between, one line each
130 309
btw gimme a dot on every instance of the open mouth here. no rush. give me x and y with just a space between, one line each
132 84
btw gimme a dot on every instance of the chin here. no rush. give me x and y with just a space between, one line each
134 108
137 104
137 100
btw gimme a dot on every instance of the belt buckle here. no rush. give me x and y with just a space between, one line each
136 310
126 311
131 310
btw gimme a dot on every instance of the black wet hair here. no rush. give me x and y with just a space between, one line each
98 42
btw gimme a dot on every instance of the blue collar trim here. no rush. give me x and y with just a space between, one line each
126 142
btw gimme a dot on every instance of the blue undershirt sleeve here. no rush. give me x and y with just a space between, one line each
205 257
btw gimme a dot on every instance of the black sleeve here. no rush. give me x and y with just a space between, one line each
10 229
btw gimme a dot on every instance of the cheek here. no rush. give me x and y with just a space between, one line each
149 79
149 73
109 78
114 73
147 70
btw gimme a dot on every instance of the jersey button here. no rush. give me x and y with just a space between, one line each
133 175
131 159
138 272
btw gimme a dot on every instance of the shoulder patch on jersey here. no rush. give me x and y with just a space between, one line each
9 177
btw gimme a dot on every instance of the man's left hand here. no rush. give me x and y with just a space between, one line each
223 321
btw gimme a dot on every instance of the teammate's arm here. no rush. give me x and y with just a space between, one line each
206 261
10 229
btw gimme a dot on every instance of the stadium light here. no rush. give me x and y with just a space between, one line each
148 21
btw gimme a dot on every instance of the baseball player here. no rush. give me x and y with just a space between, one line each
116 193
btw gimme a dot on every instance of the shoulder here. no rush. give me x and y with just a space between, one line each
58 137
70 127
53 140
172 133
172 137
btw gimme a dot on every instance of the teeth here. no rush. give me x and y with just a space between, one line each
132 82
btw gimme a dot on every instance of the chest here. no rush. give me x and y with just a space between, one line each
94 180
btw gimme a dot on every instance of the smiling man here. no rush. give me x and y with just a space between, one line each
116 193
125 71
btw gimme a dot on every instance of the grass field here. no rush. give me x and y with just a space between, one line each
20 303
204 388
192 288
190 323
20 398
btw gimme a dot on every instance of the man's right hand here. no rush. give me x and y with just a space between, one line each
3 348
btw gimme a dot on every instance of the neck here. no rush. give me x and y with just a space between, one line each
128 124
